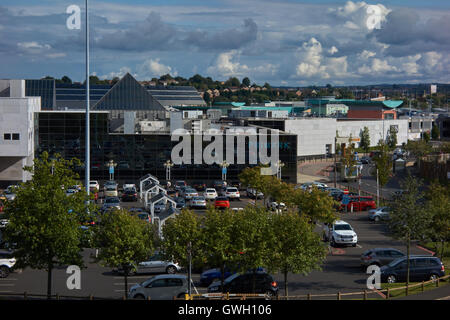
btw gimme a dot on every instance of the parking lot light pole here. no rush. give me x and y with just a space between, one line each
87 155
168 165
279 166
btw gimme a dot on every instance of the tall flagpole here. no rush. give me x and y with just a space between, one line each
87 160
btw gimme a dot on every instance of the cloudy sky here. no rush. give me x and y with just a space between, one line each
283 42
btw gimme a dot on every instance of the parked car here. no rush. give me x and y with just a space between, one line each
127 186
111 191
144 216
210 194
251 193
209 276
160 287
189 193
93 184
198 202
7 262
243 283
219 184
231 193
129 195
110 183
155 264
340 233
222 203
111 203
422 268
179 184
181 203
359 203
71 191
9 195
276 206
379 214
380 256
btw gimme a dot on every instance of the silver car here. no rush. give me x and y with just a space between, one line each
378 214
156 264
161 287
198 202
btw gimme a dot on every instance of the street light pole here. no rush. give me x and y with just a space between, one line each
87 156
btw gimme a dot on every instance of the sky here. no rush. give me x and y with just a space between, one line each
283 42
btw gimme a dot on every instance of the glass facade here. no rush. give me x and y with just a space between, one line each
44 89
136 154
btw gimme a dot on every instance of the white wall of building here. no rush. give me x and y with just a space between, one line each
314 134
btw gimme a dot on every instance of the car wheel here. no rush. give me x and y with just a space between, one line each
391 279
269 295
333 243
171 270
139 297
4 272
434 277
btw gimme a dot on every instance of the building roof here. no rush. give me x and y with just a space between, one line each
128 94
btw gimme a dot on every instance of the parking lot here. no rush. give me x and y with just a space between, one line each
341 271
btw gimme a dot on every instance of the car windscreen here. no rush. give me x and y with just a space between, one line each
231 278
342 227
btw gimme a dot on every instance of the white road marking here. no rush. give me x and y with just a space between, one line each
359 246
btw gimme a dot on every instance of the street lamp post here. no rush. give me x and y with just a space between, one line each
168 165
87 156
279 166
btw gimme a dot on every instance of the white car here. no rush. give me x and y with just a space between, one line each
340 233
210 194
7 262
111 191
71 191
93 184
129 186
232 193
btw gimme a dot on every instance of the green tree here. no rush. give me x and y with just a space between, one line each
124 241
316 206
426 136
383 165
365 139
178 233
66 79
438 205
246 82
253 239
392 138
435 132
45 222
296 247
408 219
218 229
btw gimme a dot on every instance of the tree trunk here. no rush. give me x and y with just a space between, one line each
222 274
125 272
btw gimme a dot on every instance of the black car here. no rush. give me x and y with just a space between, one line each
262 283
129 195
422 268
181 203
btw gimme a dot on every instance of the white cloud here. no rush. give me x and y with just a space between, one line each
153 68
225 67
333 50
122 72
365 54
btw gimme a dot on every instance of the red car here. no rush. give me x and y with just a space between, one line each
222 203
359 203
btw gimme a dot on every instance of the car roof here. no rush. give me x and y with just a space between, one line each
169 276
340 222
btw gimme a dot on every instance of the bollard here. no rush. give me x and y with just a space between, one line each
25 295
437 282
91 297
387 294
309 296
365 294
339 296
423 286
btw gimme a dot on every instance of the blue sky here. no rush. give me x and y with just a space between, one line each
283 42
